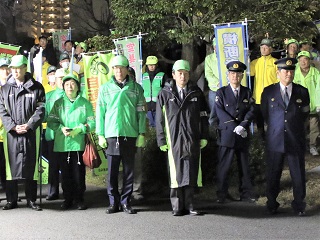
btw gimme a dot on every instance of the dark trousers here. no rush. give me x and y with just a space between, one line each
2 167
151 115
73 174
182 198
30 190
296 164
54 168
127 159
225 156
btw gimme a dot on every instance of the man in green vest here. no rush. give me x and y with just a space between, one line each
152 82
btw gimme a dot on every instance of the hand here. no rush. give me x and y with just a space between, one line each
140 142
65 131
75 131
102 142
318 109
203 143
239 129
21 129
244 134
164 148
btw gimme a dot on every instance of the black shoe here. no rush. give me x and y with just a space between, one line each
301 213
34 206
248 199
81 206
177 213
66 205
10 205
52 197
128 209
194 213
112 209
221 200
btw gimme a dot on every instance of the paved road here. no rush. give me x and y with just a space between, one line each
154 221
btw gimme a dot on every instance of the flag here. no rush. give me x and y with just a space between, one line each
8 50
58 40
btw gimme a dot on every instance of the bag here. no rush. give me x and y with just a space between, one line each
90 155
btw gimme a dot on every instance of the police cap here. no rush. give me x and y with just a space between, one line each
236 66
286 63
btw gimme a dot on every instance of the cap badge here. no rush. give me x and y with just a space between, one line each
235 65
289 63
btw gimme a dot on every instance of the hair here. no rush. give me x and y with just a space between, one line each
68 41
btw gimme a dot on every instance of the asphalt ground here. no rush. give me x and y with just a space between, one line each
234 220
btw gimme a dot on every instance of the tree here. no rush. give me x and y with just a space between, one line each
189 21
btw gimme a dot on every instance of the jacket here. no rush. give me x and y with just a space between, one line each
22 105
120 110
265 73
181 125
211 71
64 113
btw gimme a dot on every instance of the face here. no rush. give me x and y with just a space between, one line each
68 46
181 77
235 78
51 78
71 88
43 42
285 76
4 72
120 73
65 63
265 50
19 72
305 47
304 62
78 49
292 48
152 67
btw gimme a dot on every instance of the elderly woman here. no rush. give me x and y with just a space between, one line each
71 118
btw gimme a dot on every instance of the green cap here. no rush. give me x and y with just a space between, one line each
51 69
152 60
82 45
181 65
304 53
18 61
69 76
4 62
292 41
266 41
64 56
119 60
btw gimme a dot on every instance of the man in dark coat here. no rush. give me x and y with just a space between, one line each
22 112
182 129
285 108
235 112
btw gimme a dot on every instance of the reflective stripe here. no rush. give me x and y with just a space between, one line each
229 121
140 108
203 114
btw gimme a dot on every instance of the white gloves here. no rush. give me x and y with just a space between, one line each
102 142
318 109
241 131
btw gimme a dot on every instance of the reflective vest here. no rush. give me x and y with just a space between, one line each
152 89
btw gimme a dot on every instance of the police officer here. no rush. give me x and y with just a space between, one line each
235 112
285 108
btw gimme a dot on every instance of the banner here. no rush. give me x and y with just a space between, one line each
104 67
230 40
58 39
8 50
130 47
317 23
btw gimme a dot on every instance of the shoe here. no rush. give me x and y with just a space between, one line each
248 199
34 206
128 209
272 211
177 213
221 200
10 205
314 151
301 213
66 205
52 197
194 213
81 206
112 209
137 197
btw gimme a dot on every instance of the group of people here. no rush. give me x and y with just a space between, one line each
176 108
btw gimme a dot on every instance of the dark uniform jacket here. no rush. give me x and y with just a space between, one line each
22 105
285 125
181 125
232 113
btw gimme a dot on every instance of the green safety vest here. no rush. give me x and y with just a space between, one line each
152 89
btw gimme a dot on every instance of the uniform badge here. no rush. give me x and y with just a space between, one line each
235 66
245 101
289 63
217 99
299 100
272 99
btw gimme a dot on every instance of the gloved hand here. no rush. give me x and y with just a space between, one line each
203 143
239 129
102 141
140 142
244 134
164 148
75 131
318 109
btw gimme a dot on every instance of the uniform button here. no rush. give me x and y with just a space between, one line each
237 110
236 118
285 130
285 120
285 111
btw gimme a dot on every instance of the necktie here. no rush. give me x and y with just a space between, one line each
181 94
236 94
286 97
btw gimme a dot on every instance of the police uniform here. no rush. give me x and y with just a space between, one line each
232 112
285 136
